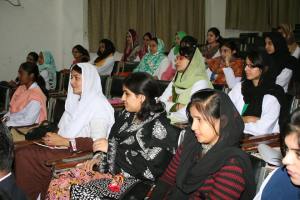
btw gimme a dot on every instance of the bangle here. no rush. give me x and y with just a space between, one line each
73 144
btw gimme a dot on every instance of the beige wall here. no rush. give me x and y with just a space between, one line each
57 25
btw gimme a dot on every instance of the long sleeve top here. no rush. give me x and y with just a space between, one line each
268 122
227 183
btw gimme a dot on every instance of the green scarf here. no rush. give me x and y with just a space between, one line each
184 81
181 35
49 65
151 62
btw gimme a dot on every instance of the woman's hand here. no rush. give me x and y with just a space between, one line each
248 119
100 145
227 60
170 99
88 165
53 139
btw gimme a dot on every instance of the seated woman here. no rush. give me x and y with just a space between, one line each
80 54
227 60
213 44
155 62
257 99
171 70
139 148
190 77
132 47
287 32
209 163
28 104
281 63
47 69
284 182
145 48
105 60
88 116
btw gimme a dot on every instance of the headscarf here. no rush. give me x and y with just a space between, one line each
192 172
23 96
184 81
151 62
135 43
281 58
180 34
81 109
49 65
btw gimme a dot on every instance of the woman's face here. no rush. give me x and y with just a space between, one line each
76 82
211 37
41 59
132 101
146 40
153 47
252 72
76 53
129 39
24 77
181 63
269 46
204 131
177 39
101 47
30 59
226 52
292 158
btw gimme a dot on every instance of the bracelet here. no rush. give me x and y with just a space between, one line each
73 144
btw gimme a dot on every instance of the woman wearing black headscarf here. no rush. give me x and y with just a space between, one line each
209 164
281 64
259 101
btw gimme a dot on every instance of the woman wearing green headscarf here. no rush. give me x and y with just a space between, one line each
155 62
171 70
190 77
47 69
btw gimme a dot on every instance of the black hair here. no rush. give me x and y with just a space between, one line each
6 149
77 69
148 34
291 128
231 45
34 55
188 46
143 83
155 40
256 58
207 103
217 33
85 56
109 49
32 68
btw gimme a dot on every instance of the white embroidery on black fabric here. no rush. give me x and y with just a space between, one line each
147 174
123 127
134 153
127 159
159 131
147 153
130 140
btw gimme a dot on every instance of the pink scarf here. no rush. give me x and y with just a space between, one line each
23 96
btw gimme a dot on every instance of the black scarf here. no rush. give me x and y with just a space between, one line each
280 59
192 171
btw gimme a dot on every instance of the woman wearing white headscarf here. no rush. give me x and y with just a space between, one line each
88 116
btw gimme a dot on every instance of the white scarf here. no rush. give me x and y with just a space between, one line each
80 110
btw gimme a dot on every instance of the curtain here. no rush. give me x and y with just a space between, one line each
112 18
261 15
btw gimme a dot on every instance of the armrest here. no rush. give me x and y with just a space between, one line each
24 143
69 161
251 143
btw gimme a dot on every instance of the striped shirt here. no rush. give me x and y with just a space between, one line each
227 183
